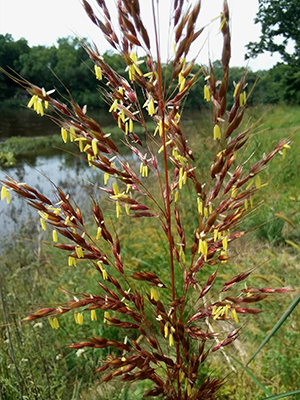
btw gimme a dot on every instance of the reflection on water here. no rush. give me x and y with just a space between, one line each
24 122
70 174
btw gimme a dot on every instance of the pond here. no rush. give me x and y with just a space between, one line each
70 173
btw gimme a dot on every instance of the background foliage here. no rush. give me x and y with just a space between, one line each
69 61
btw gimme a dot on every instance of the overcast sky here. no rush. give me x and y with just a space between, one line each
43 21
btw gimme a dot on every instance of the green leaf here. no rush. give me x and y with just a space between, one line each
285 315
267 392
282 395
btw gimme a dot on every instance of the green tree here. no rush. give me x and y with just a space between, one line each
10 51
280 23
36 65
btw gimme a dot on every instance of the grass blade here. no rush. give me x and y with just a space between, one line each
282 395
295 245
285 315
266 391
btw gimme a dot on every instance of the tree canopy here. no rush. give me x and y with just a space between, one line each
280 24
68 60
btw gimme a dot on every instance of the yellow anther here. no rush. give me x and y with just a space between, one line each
93 315
217 132
64 134
43 224
79 252
206 93
154 294
54 236
5 194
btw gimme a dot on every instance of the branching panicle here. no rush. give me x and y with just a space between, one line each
173 339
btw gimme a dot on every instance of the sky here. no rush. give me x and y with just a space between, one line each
43 21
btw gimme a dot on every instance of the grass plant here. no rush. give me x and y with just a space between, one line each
165 300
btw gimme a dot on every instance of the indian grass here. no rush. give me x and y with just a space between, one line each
178 311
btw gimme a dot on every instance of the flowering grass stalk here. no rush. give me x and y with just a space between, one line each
166 340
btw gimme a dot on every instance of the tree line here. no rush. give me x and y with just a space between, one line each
66 65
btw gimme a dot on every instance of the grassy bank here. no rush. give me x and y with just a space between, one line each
16 148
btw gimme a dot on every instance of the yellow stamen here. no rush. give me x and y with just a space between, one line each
80 319
258 182
43 224
181 376
32 101
166 330
64 135
53 322
106 178
217 132
5 194
241 99
182 84
180 178
106 315
154 294
200 206
71 261
151 108
250 184
206 93
205 212
251 201
227 307
72 134
215 235
54 236
118 209
99 230
234 315
236 89
98 72
95 147
176 196
93 315
79 252
114 106
234 192
189 389
115 188
223 22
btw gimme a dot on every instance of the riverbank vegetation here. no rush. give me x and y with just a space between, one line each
69 61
